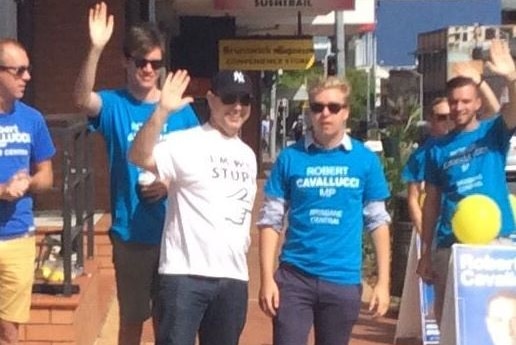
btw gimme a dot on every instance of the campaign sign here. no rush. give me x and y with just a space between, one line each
429 327
484 279
416 318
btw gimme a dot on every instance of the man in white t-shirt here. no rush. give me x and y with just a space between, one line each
203 267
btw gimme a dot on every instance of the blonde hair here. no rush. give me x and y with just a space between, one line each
331 82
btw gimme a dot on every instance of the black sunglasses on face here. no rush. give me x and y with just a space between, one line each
334 108
141 63
16 71
232 98
441 117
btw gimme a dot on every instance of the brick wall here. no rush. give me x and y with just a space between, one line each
60 41
69 320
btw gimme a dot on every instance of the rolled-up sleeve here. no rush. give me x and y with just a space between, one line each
272 213
375 215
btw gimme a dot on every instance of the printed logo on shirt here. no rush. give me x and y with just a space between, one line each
469 183
239 206
239 201
461 159
230 169
135 127
463 156
12 135
327 179
325 216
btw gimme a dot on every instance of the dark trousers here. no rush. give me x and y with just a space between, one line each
215 308
305 301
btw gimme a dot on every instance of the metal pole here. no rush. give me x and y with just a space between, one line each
284 116
274 120
299 24
340 37
152 11
421 104
373 43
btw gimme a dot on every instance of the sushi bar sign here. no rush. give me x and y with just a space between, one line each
325 5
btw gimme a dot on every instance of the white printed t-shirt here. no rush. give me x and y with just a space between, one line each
210 198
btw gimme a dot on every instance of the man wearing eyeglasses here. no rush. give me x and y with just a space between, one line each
469 160
212 172
26 150
329 187
138 209
413 172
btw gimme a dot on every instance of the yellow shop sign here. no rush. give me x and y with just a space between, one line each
266 54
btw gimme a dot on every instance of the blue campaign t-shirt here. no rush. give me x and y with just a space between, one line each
121 116
24 141
465 163
414 169
325 191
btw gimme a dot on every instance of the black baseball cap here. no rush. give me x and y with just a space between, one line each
231 82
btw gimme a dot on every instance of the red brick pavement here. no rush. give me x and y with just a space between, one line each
258 330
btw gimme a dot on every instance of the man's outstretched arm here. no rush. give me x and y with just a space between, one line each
100 28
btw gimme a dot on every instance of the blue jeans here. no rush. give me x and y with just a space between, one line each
215 308
305 300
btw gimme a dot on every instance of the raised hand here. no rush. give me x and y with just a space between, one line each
173 89
501 62
101 25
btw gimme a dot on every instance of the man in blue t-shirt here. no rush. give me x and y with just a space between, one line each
414 171
469 160
440 124
137 197
26 150
329 187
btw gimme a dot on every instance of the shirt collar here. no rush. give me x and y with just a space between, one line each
345 142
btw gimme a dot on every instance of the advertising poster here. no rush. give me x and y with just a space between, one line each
429 327
485 294
416 318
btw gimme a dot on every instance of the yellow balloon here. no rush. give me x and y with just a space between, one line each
512 199
477 220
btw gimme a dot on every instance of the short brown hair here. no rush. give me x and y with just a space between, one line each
141 39
458 82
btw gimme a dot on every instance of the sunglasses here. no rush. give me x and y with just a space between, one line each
141 63
334 108
16 71
441 117
232 98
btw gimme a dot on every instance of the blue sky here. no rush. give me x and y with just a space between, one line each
400 21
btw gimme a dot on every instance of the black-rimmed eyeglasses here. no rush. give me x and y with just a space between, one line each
141 63
334 108
441 117
18 71
232 98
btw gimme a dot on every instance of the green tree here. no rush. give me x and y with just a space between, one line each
359 93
